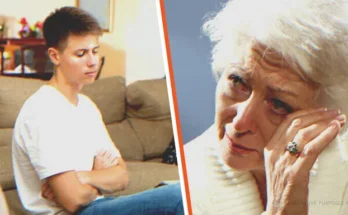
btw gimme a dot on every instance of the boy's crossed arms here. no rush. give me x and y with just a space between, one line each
73 189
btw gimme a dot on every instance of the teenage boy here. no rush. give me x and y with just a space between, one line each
63 157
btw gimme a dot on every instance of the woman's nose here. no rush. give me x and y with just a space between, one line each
245 119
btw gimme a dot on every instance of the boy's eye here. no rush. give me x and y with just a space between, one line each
95 51
279 107
80 53
238 84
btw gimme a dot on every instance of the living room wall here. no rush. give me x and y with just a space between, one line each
132 48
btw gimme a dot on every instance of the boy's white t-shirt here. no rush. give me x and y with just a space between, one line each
52 136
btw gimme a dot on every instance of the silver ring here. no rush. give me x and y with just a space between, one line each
292 147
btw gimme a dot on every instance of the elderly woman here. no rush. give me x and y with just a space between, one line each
278 144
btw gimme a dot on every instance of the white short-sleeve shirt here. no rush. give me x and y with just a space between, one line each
52 136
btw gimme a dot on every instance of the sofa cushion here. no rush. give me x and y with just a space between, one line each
154 136
109 96
146 175
13 93
6 172
14 204
126 140
148 99
3 203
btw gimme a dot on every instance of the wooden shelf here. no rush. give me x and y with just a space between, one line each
22 41
35 44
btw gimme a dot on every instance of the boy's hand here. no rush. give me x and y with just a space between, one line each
46 192
104 159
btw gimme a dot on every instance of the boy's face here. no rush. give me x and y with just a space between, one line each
79 61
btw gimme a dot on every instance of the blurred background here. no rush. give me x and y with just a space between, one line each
190 51
132 47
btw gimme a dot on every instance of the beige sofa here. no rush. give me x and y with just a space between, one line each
137 118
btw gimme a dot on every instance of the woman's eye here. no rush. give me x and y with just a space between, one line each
279 107
95 51
239 84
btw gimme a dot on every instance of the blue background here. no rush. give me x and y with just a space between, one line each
190 51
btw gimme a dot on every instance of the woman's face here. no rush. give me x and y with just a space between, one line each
252 99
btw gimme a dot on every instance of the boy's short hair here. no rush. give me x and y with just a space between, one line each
65 21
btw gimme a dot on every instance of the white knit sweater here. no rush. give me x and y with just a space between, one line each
216 189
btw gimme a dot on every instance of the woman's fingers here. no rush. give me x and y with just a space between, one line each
312 150
303 137
307 134
293 124
287 172
310 119
284 125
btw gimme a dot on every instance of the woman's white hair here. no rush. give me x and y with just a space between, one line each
313 34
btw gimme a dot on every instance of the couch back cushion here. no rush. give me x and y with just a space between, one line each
154 136
126 140
148 99
109 94
13 93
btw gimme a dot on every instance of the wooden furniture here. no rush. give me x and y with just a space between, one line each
41 60
21 41
2 50
36 44
102 61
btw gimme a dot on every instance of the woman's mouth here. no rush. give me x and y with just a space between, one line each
238 148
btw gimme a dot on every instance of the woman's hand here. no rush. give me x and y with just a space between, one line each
288 174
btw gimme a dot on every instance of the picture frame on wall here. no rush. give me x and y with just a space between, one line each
102 10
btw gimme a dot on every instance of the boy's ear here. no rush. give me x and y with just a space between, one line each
53 54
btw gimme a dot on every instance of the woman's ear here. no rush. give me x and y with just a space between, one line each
53 54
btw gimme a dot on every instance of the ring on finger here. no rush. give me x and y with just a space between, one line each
292 148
